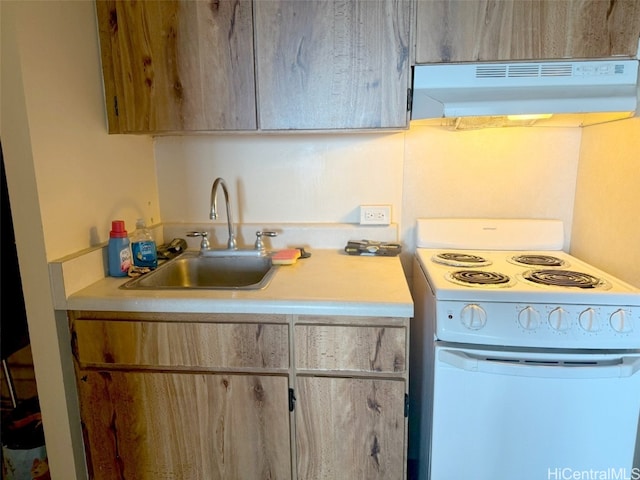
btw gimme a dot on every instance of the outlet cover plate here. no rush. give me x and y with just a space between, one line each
375 214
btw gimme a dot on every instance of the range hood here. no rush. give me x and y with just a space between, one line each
523 88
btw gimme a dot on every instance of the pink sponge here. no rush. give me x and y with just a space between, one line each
286 257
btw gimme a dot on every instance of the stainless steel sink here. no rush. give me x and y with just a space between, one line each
221 272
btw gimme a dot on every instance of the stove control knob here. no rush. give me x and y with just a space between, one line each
559 319
473 316
589 320
620 321
529 318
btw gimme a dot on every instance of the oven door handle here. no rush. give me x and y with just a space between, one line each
625 367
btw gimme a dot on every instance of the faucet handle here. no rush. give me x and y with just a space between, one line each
204 243
267 233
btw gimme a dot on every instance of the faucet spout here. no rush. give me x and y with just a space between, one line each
231 243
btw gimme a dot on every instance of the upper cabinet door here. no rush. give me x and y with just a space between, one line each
329 64
173 65
490 30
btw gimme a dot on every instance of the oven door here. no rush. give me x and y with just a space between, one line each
534 416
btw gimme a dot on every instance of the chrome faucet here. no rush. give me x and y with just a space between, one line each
231 243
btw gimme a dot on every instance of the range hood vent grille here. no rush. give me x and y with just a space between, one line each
484 89
525 70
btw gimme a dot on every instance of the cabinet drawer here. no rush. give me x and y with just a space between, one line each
360 348
178 344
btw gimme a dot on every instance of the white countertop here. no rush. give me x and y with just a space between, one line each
329 282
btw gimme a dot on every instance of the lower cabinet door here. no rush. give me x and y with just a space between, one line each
185 426
350 428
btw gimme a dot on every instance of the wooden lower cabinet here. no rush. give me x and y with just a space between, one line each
350 428
151 425
242 397
351 389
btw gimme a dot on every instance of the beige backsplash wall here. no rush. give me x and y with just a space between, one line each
280 178
427 171
491 173
606 226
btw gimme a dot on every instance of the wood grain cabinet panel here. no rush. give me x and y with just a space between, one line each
217 396
152 425
180 344
351 384
173 66
366 349
350 428
329 64
176 65
493 30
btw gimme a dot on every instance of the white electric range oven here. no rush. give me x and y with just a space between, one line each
525 361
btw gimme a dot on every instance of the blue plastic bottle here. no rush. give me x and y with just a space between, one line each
119 250
143 247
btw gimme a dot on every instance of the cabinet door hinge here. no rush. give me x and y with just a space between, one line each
406 405
292 400
409 99
115 106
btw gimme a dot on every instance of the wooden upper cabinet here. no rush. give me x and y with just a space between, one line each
488 30
328 64
172 65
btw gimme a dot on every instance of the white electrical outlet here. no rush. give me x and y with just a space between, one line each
375 214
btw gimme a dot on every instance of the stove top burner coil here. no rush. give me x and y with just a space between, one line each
538 260
457 259
563 278
480 278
